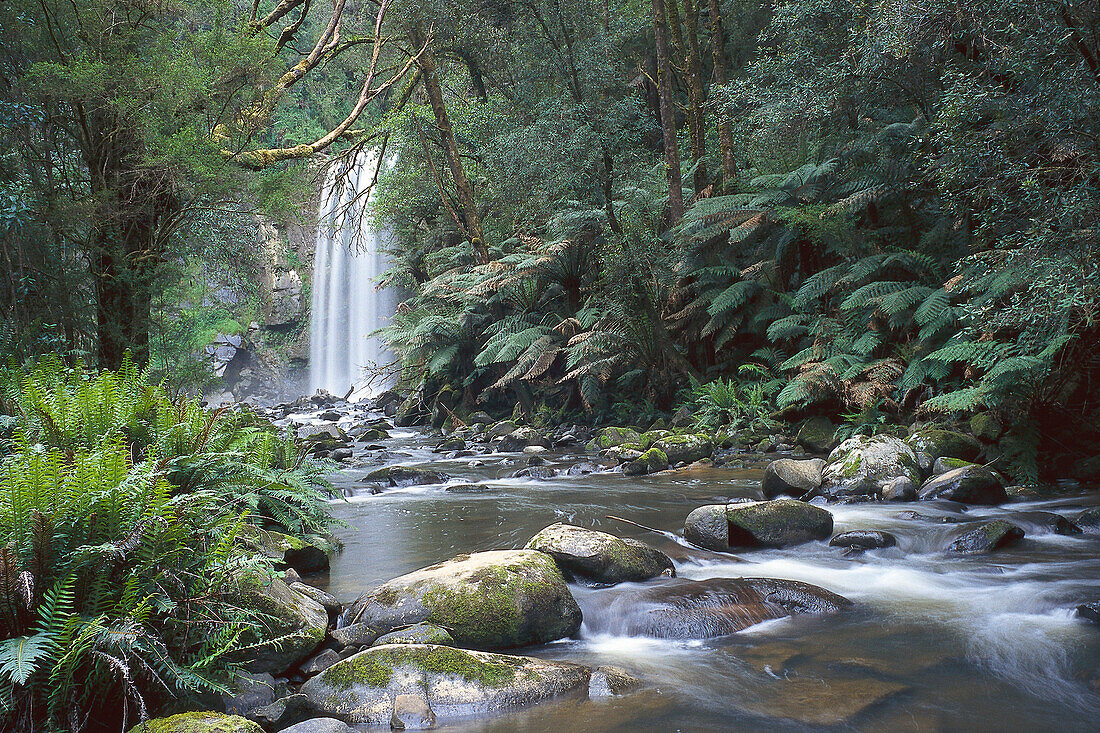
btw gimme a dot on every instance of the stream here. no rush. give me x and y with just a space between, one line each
935 642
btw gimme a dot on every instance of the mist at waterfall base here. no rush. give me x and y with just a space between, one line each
347 304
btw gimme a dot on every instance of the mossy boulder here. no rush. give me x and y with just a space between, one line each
652 461
600 557
863 466
289 625
521 438
775 523
792 478
396 476
970 484
611 437
685 448
417 634
322 435
449 683
678 608
817 435
944 443
944 464
985 427
287 550
488 600
202 722
500 429
987 537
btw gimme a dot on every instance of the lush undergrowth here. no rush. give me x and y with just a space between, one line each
119 515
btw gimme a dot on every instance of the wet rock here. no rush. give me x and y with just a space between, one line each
863 466
248 692
467 488
775 523
285 711
417 634
685 448
901 488
1055 523
325 599
319 662
817 435
987 537
359 635
521 438
534 450
341 454
943 465
1090 611
499 430
863 539
480 418
330 434
451 444
702 609
394 476
611 437
320 725
289 625
452 683
203 722
599 556
286 550
536 472
488 600
944 443
536 461
792 478
1088 520
651 461
967 485
330 415
411 712
825 704
583 468
608 681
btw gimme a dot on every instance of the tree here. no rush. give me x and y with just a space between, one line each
668 112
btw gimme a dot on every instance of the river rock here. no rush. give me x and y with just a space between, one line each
480 418
985 427
608 681
775 523
394 476
944 443
863 466
1056 523
599 556
536 472
901 488
792 478
290 625
1090 611
611 437
987 537
325 599
700 609
652 461
584 468
452 683
203 722
488 600
357 635
944 464
521 438
246 692
320 725
283 712
817 435
1088 520
500 429
319 662
417 634
863 539
967 485
292 552
685 448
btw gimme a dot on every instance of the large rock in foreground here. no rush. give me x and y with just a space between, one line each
969 485
204 722
445 683
701 609
599 556
776 523
488 600
290 625
863 466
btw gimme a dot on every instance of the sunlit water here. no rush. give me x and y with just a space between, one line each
935 642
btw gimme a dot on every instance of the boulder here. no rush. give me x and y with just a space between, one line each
700 609
202 722
394 476
246 692
488 600
985 427
600 557
521 438
775 523
325 599
326 434
611 437
319 663
355 636
320 725
281 713
863 466
480 418
608 681
417 634
289 625
685 448
652 461
817 435
285 549
1056 523
792 478
943 465
944 443
502 428
987 537
584 468
449 683
863 539
1090 611
970 484
1088 520
536 472
901 488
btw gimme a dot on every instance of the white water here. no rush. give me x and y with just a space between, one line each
347 306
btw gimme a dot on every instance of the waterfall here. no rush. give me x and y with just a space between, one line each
347 306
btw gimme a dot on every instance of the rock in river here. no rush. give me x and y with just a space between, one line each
404 476
685 448
792 478
863 539
446 683
987 536
863 466
204 722
599 556
776 523
968 485
678 608
488 600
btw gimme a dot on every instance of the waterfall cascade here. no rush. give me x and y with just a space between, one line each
347 305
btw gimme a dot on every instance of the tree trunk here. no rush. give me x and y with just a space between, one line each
465 191
668 114
696 95
725 131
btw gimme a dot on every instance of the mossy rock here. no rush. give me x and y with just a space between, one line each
944 464
776 523
817 435
397 476
987 537
985 427
417 634
289 625
452 683
600 557
652 461
969 484
685 448
863 466
286 550
940 443
202 722
488 600
610 437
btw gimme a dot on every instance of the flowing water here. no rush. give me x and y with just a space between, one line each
934 643
347 306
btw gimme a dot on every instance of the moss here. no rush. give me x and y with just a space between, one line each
851 465
485 609
198 722
386 596
375 667
365 668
